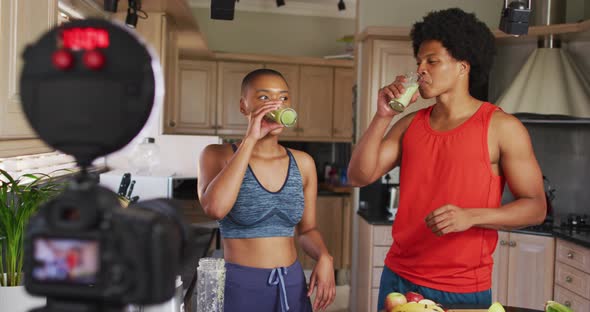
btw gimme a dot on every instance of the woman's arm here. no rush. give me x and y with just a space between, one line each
310 238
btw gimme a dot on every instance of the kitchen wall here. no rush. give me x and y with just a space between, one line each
277 34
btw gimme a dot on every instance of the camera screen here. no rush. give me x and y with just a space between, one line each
71 261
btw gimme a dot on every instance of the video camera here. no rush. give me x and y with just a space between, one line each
87 89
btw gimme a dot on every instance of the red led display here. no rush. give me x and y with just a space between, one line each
84 38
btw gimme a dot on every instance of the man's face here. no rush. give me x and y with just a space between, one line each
440 71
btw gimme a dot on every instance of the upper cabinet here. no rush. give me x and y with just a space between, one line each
230 121
22 22
209 91
315 106
382 61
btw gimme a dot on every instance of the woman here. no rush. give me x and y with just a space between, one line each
261 192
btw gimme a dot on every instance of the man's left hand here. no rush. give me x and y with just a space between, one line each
448 219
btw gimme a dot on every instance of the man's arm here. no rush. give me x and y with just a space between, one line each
374 155
524 178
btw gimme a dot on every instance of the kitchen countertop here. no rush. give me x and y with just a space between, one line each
581 238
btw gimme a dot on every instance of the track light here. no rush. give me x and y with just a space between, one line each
280 3
341 5
131 19
110 5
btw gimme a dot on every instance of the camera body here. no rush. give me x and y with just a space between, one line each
84 245
87 89
515 18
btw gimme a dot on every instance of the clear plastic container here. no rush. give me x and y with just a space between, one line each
146 157
210 285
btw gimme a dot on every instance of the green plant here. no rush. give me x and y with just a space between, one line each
19 200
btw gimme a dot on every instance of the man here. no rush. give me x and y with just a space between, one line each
455 157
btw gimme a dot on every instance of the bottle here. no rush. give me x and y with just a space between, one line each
146 157
210 285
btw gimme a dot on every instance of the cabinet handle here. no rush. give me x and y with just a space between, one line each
567 304
570 255
512 244
335 130
569 279
172 123
502 243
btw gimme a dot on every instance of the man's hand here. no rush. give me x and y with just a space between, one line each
448 219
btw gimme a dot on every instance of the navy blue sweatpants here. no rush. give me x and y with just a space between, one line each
265 290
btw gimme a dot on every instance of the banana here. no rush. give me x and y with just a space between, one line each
417 307
553 306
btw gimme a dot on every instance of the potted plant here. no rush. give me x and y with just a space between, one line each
19 199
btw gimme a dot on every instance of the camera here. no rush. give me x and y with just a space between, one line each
515 18
87 89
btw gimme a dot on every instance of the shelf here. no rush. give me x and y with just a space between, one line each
567 31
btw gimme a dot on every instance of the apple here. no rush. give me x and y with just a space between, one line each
412 296
394 299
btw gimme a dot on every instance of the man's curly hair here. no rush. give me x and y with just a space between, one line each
463 35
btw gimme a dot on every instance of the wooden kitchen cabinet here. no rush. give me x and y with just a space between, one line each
22 22
195 111
572 275
230 121
316 95
333 215
382 61
523 270
291 74
374 242
343 117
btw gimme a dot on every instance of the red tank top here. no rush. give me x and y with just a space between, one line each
438 168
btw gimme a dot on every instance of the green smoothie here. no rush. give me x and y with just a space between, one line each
400 104
285 116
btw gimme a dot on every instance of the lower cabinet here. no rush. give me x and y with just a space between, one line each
523 270
334 224
373 244
572 275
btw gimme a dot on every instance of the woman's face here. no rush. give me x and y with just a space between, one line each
262 90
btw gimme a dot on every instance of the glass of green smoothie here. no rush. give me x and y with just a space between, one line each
285 116
411 86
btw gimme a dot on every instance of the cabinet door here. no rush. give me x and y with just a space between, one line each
194 110
316 96
343 123
385 59
21 22
500 270
329 224
530 270
230 121
291 74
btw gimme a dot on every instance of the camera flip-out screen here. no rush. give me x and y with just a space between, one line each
70 261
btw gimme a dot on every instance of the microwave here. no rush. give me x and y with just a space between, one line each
150 186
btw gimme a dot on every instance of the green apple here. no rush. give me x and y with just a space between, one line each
394 299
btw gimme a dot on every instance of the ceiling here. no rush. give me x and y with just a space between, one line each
324 8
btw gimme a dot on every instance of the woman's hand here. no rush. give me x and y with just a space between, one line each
322 278
390 92
258 127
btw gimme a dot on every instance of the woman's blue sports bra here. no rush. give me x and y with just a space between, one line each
258 212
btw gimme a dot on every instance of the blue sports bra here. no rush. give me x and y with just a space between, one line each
258 212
